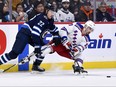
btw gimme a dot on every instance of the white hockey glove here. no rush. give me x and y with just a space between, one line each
67 44
75 51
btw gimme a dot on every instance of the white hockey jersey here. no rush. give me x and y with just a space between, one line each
56 17
65 17
74 35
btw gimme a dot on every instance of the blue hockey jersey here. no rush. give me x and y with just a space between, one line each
38 25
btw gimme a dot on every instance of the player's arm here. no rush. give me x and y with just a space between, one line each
56 38
80 47
36 35
83 45
63 32
52 28
55 32
36 41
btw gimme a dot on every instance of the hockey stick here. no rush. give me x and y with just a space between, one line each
24 60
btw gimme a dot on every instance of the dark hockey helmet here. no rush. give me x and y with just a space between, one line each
49 6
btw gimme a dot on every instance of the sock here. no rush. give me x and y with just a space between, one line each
38 61
4 58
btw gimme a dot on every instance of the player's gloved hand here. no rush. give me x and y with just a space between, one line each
75 51
56 40
37 50
67 44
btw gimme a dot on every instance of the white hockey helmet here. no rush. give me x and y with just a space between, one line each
90 24
65 1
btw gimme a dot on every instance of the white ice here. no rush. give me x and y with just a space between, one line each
95 77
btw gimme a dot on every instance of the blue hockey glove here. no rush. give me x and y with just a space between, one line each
37 50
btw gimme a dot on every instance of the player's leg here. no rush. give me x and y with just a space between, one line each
18 47
62 51
39 59
37 63
78 65
78 60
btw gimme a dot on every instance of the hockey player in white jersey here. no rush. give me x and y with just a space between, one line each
74 40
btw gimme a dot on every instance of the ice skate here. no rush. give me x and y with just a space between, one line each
37 69
79 69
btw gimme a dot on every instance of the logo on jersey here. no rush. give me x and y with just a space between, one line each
47 38
100 43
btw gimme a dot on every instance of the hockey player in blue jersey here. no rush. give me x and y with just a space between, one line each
31 33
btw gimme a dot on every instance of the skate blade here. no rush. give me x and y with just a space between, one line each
36 72
85 73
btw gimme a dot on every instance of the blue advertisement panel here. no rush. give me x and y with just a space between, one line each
24 67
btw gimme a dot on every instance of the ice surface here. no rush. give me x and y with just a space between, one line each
95 77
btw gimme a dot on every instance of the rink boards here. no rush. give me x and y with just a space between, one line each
99 54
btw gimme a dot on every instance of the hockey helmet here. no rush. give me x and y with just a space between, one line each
90 24
49 6
65 1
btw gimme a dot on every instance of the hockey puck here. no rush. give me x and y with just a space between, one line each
108 76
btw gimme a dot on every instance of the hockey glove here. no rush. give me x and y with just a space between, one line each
75 51
56 40
67 44
37 50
